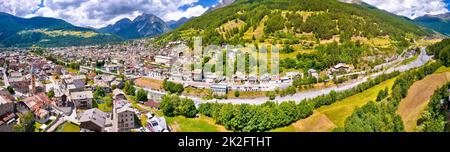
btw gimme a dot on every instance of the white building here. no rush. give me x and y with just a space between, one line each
166 60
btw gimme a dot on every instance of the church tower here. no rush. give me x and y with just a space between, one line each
33 81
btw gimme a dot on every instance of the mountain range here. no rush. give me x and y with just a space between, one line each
176 24
231 21
439 23
145 25
48 32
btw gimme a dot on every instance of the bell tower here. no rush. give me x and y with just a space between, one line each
33 81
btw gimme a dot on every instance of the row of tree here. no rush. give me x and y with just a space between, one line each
256 118
441 51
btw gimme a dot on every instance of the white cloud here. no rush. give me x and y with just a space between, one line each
409 8
19 7
99 13
190 12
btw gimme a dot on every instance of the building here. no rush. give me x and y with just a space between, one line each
41 106
123 116
119 95
313 73
7 115
219 89
166 60
152 103
157 124
6 103
112 68
93 120
82 100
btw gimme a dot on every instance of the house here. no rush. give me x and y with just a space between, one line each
76 86
41 106
7 122
157 124
123 116
82 100
6 103
252 79
119 95
166 60
219 89
313 73
152 103
340 67
93 120
81 78
7 116
103 85
112 68
20 86
210 77
197 75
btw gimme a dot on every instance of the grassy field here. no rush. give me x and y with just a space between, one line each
246 94
317 122
418 98
201 124
326 118
68 127
443 70
104 107
149 83
70 70
197 92
339 111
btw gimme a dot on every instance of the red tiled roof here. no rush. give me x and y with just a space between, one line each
151 103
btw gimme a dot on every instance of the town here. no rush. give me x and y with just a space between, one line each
56 99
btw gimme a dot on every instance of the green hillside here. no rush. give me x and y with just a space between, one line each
314 34
295 21
47 32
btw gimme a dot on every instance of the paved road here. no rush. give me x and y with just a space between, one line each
298 97
59 122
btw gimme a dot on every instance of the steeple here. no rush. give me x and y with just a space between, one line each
33 81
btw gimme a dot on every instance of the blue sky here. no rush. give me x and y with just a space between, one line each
99 13
448 3
204 3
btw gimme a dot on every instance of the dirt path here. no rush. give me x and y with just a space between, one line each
418 98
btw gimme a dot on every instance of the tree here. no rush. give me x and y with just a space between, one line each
99 93
141 95
172 87
10 90
444 56
51 94
382 94
271 94
172 105
237 93
26 123
129 88
190 108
